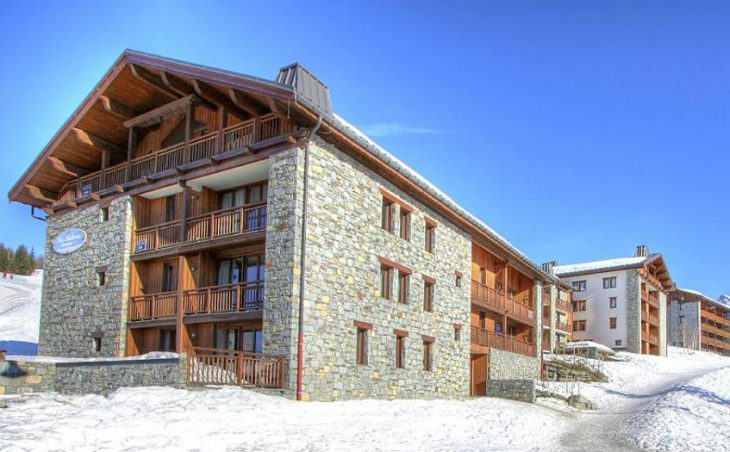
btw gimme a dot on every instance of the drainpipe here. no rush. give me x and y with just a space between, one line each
302 281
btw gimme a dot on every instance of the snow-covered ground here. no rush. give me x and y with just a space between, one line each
677 403
20 305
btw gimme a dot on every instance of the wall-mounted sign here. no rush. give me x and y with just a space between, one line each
141 246
69 241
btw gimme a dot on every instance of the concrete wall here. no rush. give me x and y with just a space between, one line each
90 377
598 309
345 242
73 305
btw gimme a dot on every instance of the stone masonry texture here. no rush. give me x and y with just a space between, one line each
74 307
520 390
633 311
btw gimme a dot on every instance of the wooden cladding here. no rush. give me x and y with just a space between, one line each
486 338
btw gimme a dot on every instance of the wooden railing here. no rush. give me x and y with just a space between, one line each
242 297
715 330
564 305
709 315
653 319
154 306
520 309
652 338
707 340
221 223
508 343
653 300
157 237
234 137
485 295
564 326
228 367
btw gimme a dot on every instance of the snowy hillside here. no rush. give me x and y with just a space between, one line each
676 403
20 304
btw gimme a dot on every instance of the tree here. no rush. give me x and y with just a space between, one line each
23 261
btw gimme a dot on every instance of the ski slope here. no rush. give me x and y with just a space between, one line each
20 306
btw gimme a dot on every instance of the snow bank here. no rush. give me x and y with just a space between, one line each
20 307
63 359
691 416
233 418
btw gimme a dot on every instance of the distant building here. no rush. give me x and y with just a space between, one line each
621 302
557 313
698 322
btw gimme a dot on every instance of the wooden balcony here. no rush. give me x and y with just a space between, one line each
715 330
651 338
209 226
652 300
153 307
711 316
487 338
206 147
564 326
228 367
490 298
651 319
242 297
706 340
563 305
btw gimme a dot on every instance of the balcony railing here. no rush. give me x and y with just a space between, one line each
487 296
647 297
564 326
233 137
652 338
153 307
711 316
564 305
242 297
707 340
208 226
487 338
520 309
652 319
229 367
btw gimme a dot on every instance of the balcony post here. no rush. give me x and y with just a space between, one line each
222 118
189 118
183 214
104 166
131 143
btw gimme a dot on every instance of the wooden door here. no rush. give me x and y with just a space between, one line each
479 366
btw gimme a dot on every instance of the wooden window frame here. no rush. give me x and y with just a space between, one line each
612 323
430 235
361 342
386 282
610 282
429 287
405 224
612 302
404 286
388 212
400 348
428 353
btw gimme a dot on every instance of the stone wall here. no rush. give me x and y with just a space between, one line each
74 307
662 324
520 390
345 242
90 377
504 365
687 333
633 311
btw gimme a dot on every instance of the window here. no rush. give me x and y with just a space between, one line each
681 319
482 320
404 279
612 323
428 353
609 283
96 343
618 342
170 208
457 333
405 224
428 287
400 349
612 302
386 282
101 278
388 212
579 305
458 279
430 235
167 340
104 214
579 286
362 342
168 276
579 325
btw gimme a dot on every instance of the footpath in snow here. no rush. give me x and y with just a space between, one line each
677 403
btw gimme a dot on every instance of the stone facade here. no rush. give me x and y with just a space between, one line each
685 332
504 365
90 377
662 324
520 390
345 242
74 306
633 311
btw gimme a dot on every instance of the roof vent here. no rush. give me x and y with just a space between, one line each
306 85
549 267
642 251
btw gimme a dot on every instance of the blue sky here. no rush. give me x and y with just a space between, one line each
577 129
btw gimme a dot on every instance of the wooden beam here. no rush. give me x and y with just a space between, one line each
152 80
121 111
67 168
238 101
98 142
41 193
158 114
175 84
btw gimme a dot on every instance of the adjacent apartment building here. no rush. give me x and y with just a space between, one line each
557 313
621 303
698 322
242 222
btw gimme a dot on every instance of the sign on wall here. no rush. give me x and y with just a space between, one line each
69 241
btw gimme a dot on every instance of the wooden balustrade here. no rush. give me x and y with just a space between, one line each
229 367
485 295
715 330
221 223
564 305
564 326
520 309
234 137
711 316
650 318
714 342
242 297
508 343
157 237
154 306
652 338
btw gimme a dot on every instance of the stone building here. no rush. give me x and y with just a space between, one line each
242 222
557 313
621 303
698 322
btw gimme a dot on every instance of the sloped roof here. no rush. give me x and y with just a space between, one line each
719 303
621 263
